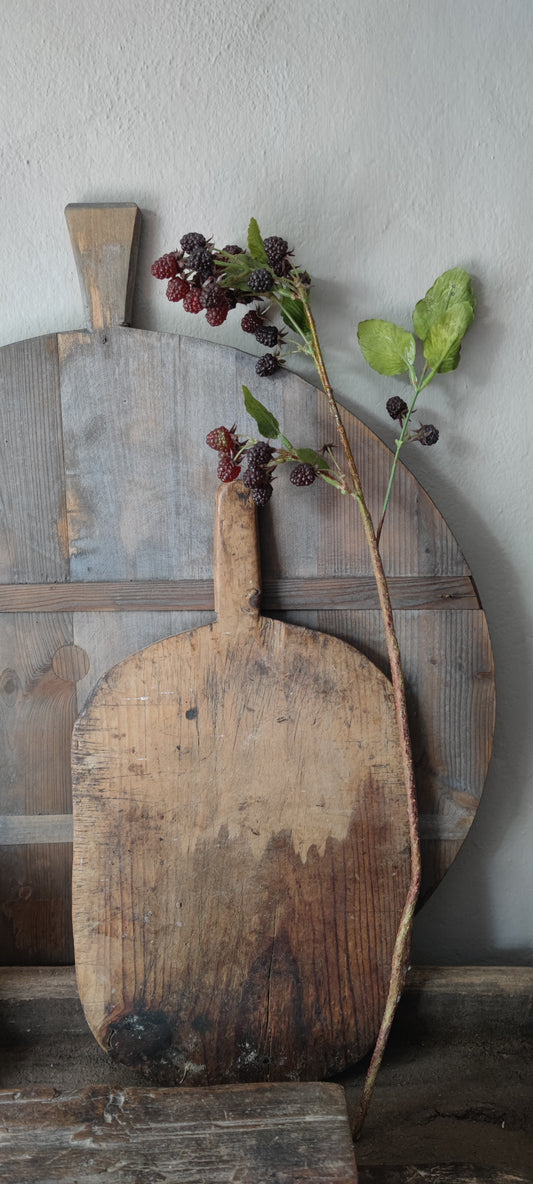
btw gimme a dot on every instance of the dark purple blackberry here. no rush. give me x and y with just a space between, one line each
191 241
303 475
276 249
233 250
260 453
260 280
244 297
266 365
262 496
201 260
426 434
230 297
267 335
213 296
397 407
256 476
251 321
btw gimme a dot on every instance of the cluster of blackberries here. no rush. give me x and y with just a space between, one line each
257 475
257 462
193 274
427 433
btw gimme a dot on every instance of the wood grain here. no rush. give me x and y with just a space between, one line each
241 852
251 1134
105 242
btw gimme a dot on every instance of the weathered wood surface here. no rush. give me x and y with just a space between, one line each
449 1173
106 481
285 1133
105 241
241 842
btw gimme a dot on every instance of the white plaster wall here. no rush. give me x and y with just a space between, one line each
387 140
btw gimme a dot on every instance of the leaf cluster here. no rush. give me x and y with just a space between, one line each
440 321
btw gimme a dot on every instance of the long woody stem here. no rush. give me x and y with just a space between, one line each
401 951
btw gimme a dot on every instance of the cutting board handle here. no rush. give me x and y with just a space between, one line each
237 566
105 241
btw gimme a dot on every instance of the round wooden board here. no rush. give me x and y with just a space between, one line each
107 547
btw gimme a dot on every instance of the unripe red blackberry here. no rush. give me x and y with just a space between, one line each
256 476
263 495
177 289
216 316
267 335
251 321
260 453
220 439
397 407
166 267
260 280
193 300
227 470
276 250
191 241
266 365
304 474
426 434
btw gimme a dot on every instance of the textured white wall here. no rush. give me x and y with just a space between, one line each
387 140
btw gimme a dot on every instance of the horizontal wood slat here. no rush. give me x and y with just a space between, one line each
407 592
35 828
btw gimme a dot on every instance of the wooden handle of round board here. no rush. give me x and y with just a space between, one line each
237 567
105 241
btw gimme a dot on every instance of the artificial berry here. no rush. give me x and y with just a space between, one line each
193 300
261 453
166 267
426 434
213 296
266 365
227 470
233 250
267 335
397 407
201 261
260 280
216 316
276 250
251 321
220 439
177 289
263 495
256 476
303 474
191 241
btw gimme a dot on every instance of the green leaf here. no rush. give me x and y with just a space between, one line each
386 347
266 422
442 346
452 287
286 443
293 313
256 246
309 457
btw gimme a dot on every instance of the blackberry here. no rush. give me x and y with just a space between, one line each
193 300
201 260
256 476
220 439
260 453
227 470
263 495
191 241
166 267
276 249
177 289
266 365
244 297
303 475
397 407
426 434
230 297
251 321
260 280
267 335
216 316
233 250
213 296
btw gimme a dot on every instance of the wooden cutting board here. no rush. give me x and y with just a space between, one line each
241 842
106 525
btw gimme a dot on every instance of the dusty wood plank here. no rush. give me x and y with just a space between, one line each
105 241
449 1173
234 917
18 829
297 1134
278 595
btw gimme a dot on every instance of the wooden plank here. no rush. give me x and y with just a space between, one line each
338 593
26 829
449 1173
257 1134
105 241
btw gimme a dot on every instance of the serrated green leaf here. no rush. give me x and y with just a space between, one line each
293 313
256 245
386 347
308 456
451 288
442 346
266 422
